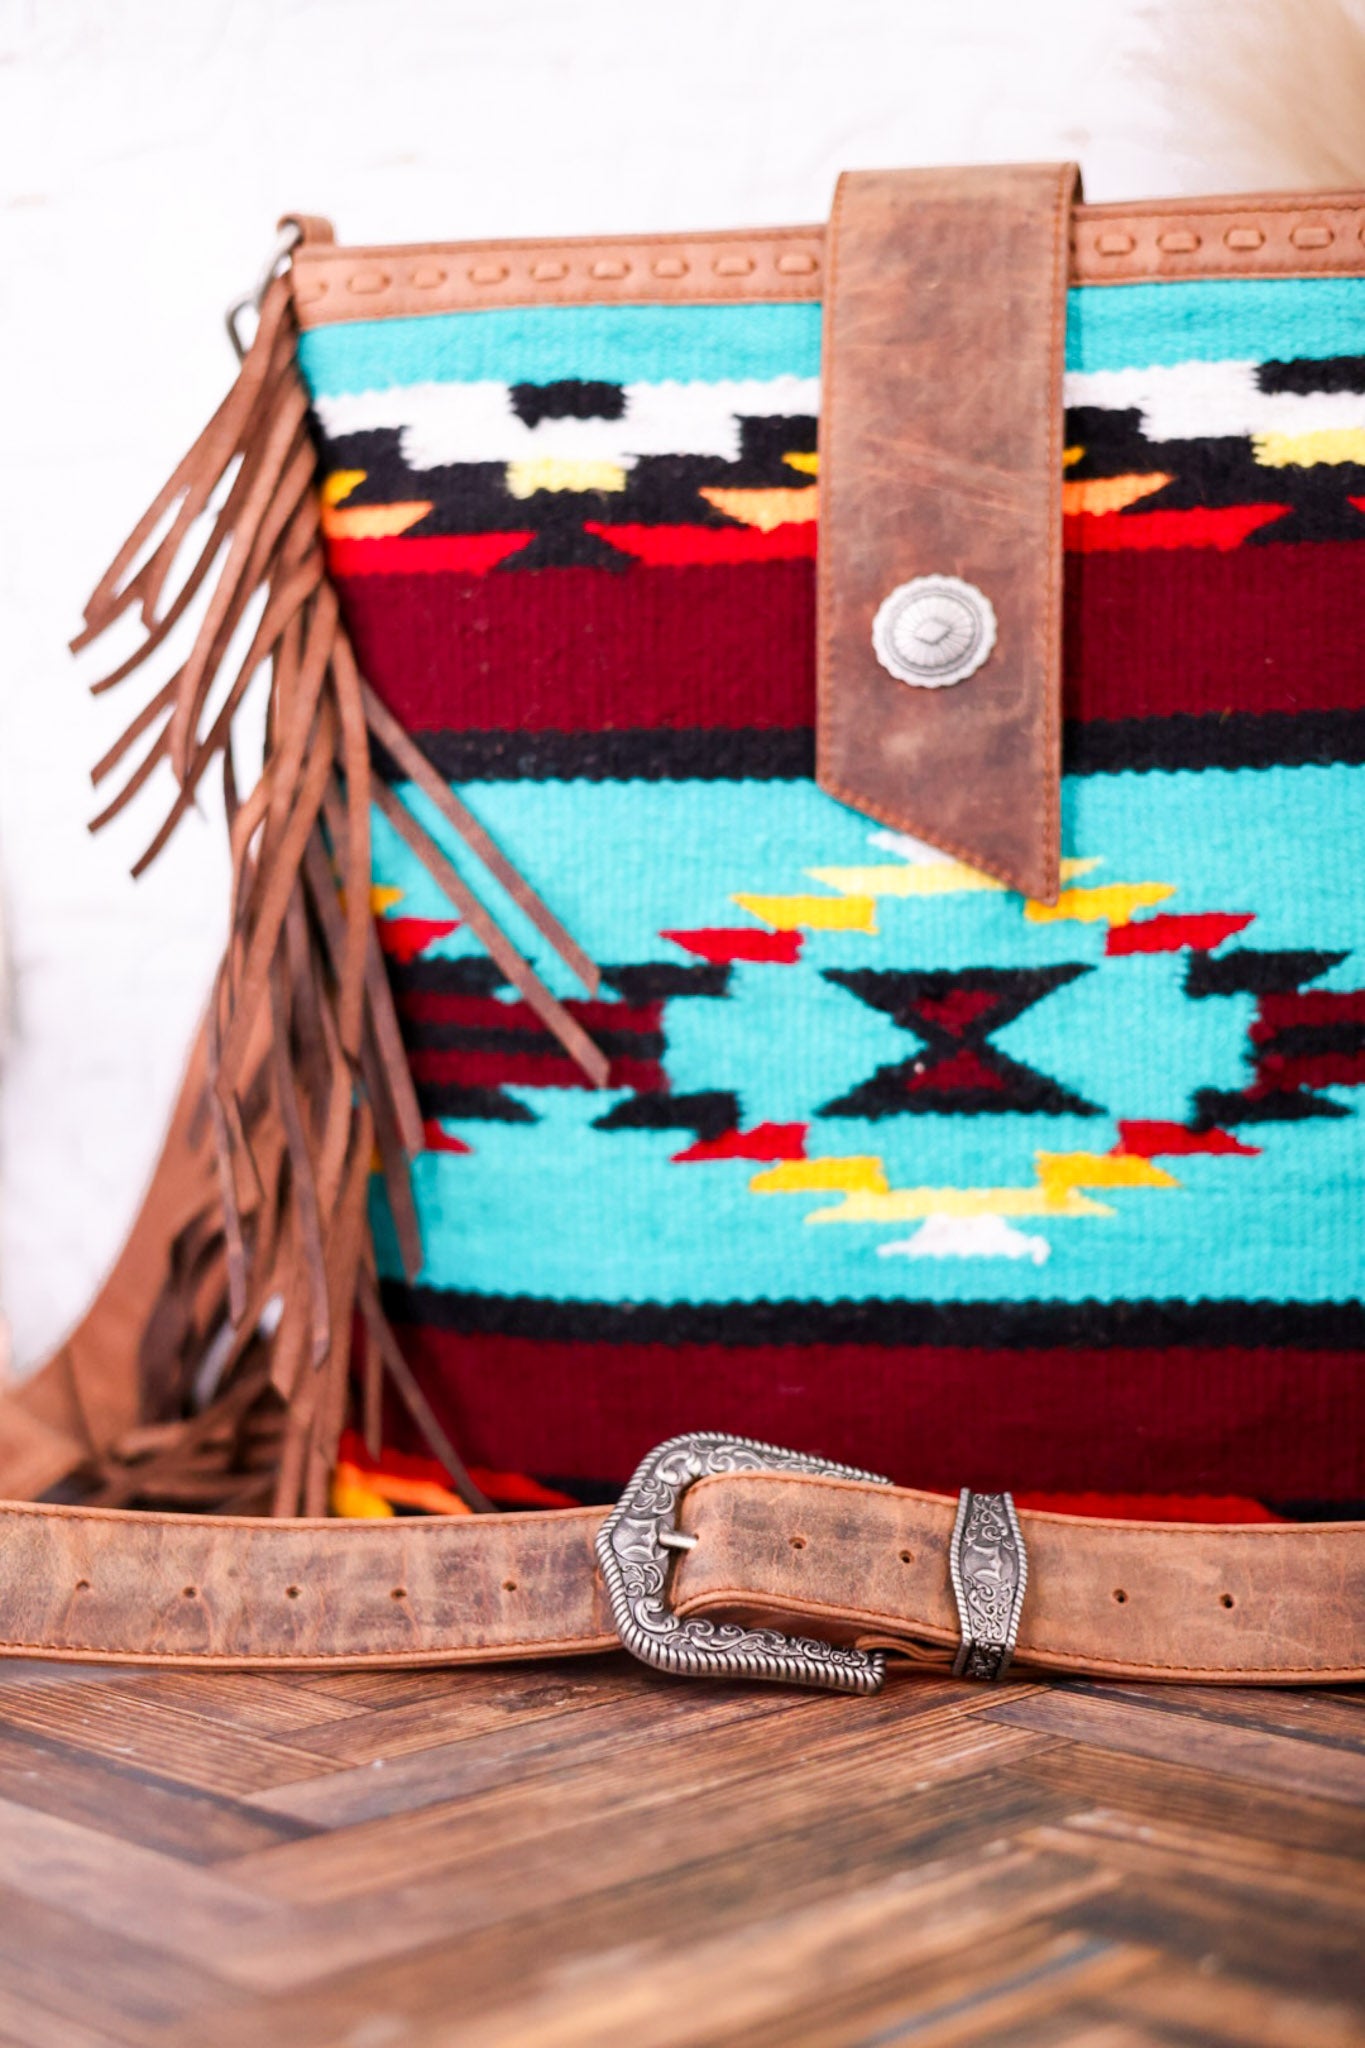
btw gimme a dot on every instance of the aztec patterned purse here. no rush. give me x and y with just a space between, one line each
805 881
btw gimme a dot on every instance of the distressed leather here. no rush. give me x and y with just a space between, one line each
941 455
1280 1604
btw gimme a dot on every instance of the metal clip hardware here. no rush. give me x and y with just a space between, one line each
290 235
989 1568
632 1550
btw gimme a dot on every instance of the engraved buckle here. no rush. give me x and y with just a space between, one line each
989 1567
632 1550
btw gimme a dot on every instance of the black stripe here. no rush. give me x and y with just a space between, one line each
1292 1510
1250 971
1238 739
1304 374
985 1325
1215 1108
448 1099
698 754
1099 747
438 1036
1312 1041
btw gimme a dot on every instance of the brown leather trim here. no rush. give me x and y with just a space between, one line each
941 455
1258 235
1280 1604
368 284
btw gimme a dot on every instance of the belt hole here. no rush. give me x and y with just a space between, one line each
1226 1600
1119 1595
797 1542
399 1593
291 1592
907 1557
509 1585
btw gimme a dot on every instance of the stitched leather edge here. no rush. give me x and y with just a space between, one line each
1281 235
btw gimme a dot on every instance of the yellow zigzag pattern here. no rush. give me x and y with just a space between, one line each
868 1197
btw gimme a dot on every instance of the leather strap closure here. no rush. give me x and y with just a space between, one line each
939 666
850 1561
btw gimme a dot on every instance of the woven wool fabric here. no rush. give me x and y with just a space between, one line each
893 1163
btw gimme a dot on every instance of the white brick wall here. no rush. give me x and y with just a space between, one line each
146 148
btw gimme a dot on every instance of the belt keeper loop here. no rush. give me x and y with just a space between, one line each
989 1567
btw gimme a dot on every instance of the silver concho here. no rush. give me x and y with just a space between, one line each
934 631
989 1569
633 1547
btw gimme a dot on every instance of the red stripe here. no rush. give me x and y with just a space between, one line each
432 555
765 1141
1268 1424
1151 1507
517 1489
673 546
1172 934
506 1486
436 1138
470 1069
1223 526
1152 1140
781 948
681 546
403 938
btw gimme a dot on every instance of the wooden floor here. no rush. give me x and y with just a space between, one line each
588 1854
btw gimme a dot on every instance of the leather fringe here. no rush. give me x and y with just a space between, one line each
246 1350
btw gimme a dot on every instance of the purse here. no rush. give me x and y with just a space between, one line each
803 880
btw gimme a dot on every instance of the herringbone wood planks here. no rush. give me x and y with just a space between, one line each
586 1855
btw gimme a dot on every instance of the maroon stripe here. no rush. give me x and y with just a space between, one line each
1273 1423
1149 634
473 1069
1282 1009
486 1013
1276 1071
587 650
1195 631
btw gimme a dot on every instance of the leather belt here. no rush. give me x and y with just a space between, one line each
847 1562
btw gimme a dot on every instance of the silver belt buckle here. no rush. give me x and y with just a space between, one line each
633 1548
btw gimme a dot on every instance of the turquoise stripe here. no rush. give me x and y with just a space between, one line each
1138 326
538 344
1109 327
